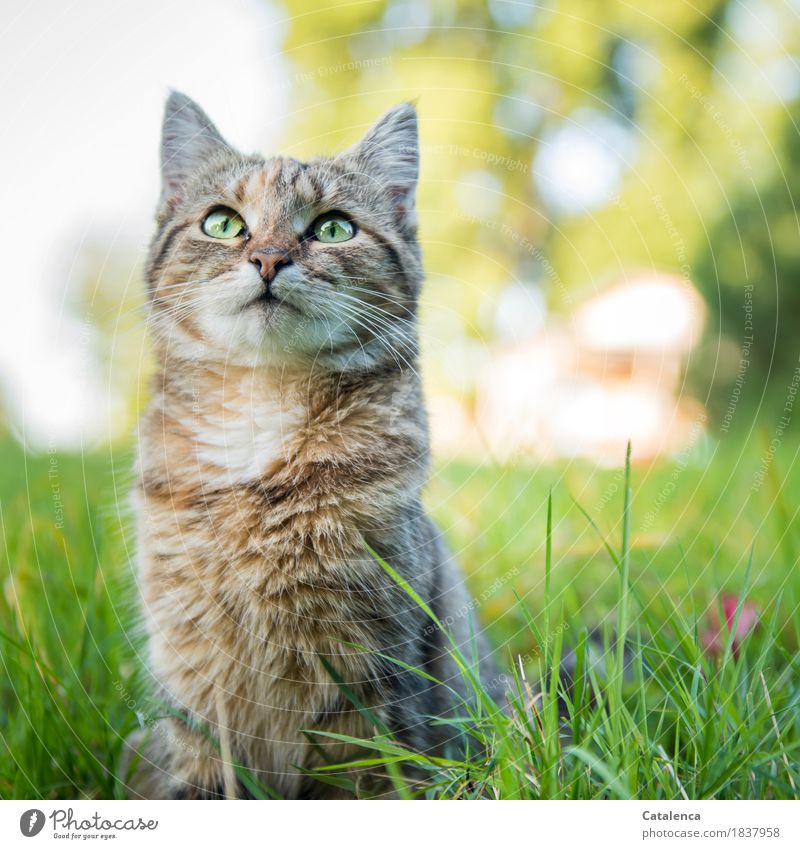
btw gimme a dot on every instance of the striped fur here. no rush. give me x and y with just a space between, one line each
282 439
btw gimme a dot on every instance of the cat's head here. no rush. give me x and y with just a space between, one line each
273 261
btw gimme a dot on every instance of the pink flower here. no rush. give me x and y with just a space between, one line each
714 637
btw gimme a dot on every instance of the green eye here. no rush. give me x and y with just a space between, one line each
223 224
333 228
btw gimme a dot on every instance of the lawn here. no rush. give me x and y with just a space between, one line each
685 711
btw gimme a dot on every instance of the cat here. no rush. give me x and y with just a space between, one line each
281 458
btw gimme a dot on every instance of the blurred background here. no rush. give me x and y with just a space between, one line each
606 203
607 214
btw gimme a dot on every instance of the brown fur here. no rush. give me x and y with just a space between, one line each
282 439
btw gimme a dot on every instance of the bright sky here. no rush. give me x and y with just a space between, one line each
82 87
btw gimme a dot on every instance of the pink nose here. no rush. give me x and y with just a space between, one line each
270 261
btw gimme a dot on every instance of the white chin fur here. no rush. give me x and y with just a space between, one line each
234 332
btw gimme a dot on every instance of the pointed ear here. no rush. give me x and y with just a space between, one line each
188 140
389 153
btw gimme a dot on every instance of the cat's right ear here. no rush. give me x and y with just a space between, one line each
389 153
188 140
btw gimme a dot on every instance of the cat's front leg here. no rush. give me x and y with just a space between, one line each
167 760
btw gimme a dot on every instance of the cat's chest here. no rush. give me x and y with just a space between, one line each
243 434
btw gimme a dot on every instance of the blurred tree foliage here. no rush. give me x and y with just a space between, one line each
569 143
751 265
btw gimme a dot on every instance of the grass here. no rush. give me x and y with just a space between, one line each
620 573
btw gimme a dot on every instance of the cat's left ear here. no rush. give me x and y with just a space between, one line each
389 154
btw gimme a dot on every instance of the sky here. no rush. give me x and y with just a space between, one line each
82 87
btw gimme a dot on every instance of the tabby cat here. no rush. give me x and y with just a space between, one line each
285 446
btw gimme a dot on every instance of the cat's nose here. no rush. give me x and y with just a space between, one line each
270 261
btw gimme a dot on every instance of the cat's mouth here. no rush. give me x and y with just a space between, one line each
269 303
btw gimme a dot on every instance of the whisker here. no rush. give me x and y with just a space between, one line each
381 338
